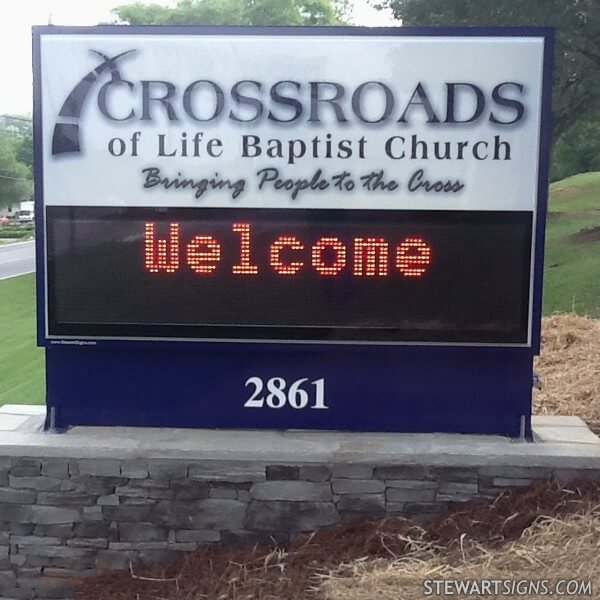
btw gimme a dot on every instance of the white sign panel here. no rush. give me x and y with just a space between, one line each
349 122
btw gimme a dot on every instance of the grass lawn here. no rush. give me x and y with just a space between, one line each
21 362
572 284
572 272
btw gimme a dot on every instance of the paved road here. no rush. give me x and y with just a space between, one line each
17 259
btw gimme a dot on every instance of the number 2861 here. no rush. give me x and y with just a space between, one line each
277 394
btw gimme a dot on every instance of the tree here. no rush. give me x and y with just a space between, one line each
236 12
15 177
577 57
577 150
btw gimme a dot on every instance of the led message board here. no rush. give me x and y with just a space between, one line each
258 187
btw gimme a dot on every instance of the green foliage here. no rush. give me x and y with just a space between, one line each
16 232
577 150
235 12
15 176
577 58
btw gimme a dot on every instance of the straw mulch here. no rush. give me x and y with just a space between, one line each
552 549
569 368
362 560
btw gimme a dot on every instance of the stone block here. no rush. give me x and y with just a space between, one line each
423 510
46 484
17 513
127 514
63 531
203 514
352 471
3 537
411 472
48 515
243 495
33 471
567 476
197 536
109 500
68 485
112 560
68 573
21 528
371 504
229 472
290 516
293 491
90 543
67 562
190 489
34 540
454 474
223 493
282 472
314 473
8 579
144 492
456 487
510 482
17 496
137 546
92 530
395 508
99 467
3 553
92 513
167 470
26 461
141 532
65 499
56 551
357 486
516 472
411 484
56 468
441 497
3 477
102 486
219 514
409 495
134 469
184 547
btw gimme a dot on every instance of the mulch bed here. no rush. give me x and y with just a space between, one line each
275 573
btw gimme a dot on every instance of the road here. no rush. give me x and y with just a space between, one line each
17 259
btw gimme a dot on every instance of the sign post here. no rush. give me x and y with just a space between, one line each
325 228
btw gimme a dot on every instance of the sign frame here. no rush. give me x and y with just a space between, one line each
398 387
536 271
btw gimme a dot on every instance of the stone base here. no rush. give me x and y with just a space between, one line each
102 498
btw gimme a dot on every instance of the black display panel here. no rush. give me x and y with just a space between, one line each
284 274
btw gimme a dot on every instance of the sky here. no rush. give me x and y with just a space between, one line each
15 37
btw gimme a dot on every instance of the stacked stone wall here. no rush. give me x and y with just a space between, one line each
66 518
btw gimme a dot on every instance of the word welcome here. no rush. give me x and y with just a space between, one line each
329 256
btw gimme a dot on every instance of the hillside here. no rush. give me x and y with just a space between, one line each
572 272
